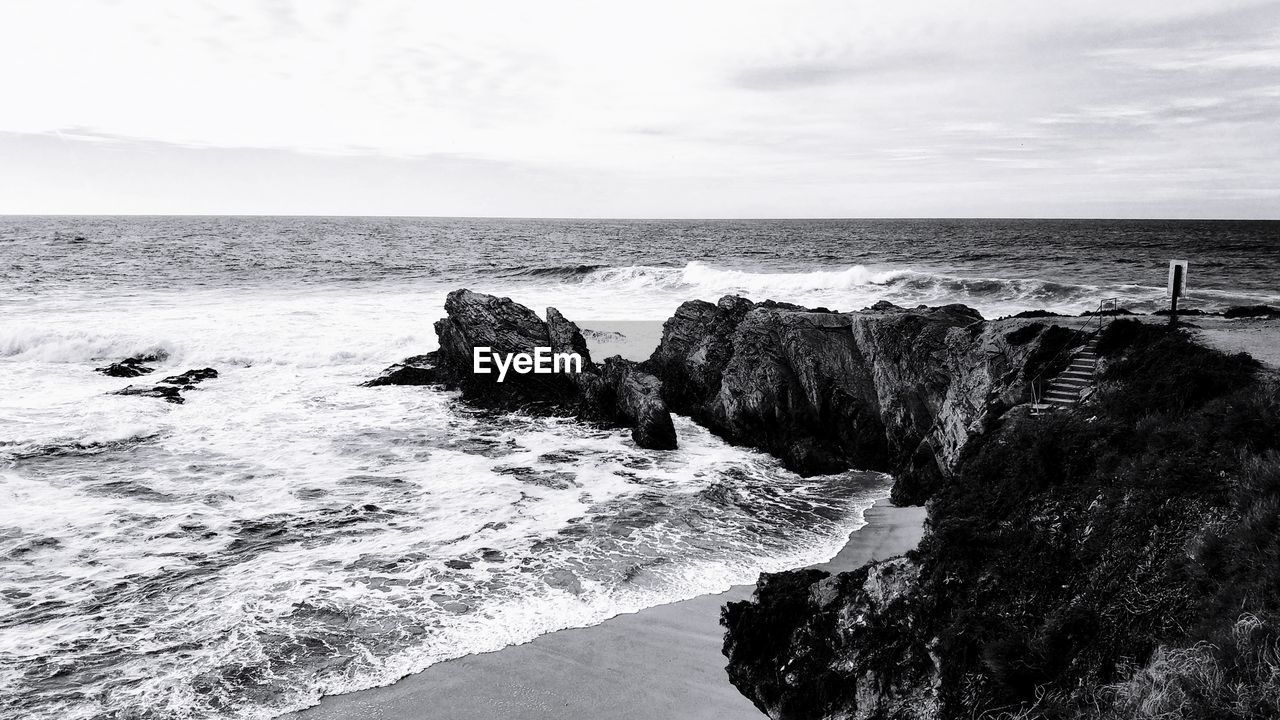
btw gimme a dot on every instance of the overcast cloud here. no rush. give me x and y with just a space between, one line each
666 109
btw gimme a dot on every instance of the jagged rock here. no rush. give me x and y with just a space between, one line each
191 377
565 336
697 344
639 404
171 388
504 326
417 370
813 646
1020 600
132 366
887 388
164 392
620 392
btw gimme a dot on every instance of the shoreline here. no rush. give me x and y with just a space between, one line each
662 661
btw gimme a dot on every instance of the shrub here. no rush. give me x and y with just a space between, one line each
1071 544
1238 680
1240 311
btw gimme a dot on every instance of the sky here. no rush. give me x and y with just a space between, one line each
698 108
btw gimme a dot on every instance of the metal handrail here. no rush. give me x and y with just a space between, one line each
1099 315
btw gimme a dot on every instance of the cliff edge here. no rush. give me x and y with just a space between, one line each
1117 560
887 388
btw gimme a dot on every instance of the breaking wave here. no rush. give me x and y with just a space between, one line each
75 345
557 271
855 286
858 286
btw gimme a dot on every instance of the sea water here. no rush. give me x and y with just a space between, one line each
287 533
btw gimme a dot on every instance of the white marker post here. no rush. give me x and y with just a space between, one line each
1177 287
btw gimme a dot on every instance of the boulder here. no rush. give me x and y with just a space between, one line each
619 393
191 378
417 370
171 388
132 366
504 326
639 404
168 393
697 344
811 646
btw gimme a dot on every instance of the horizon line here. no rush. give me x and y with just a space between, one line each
643 218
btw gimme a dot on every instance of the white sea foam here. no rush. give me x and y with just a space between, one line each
284 533
652 292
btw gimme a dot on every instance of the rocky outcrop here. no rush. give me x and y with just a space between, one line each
1066 549
814 646
638 402
191 378
171 389
416 370
617 392
132 366
166 393
887 388
505 327
697 345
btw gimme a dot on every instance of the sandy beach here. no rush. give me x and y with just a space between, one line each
662 662
1260 337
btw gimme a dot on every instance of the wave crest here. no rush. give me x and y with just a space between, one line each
852 286
557 271
75 346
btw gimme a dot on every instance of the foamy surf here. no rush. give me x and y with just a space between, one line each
453 543
287 534
652 292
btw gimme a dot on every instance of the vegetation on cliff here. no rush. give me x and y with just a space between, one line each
1071 547
1120 560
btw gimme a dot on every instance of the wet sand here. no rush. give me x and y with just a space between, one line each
662 662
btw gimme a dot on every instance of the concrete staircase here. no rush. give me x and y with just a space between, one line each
1072 384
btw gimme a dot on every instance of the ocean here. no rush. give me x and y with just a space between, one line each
287 533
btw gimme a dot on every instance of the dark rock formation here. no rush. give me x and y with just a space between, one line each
417 370
840 643
167 393
191 378
132 366
1070 562
619 392
886 388
697 345
171 388
1241 311
638 403
505 326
